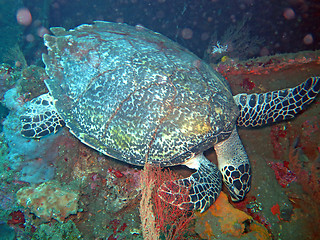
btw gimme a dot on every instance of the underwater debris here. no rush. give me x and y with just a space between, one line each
266 65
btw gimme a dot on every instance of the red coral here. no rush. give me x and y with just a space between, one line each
111 237
17 218
275 209
283 174
172 221
247 84
123 227
309 180
115 225
117 173
277 132
310 127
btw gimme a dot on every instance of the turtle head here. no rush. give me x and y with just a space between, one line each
237 180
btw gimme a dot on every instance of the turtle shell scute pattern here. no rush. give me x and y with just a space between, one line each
135 95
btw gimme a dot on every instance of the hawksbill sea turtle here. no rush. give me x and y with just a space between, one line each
136 96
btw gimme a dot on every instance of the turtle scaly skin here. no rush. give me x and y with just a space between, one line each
261 109
135 95
41 119
199 191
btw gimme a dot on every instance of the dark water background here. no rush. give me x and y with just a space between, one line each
192 23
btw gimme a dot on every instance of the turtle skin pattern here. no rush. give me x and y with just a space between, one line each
41 118
135 95
234 166
197 192
260 109
237 180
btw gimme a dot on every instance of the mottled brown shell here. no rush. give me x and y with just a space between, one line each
135 95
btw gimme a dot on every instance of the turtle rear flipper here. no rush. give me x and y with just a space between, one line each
197 192
41 118
260 109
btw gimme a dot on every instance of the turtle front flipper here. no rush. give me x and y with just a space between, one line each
234 166
41 118
197 192
260 109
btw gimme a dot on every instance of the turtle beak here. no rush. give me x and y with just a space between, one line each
239 194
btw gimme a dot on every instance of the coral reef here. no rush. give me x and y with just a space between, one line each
66 231
33 159
31 83
109 189
263 66
309 179
49 200
8 78
17 218
223 221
